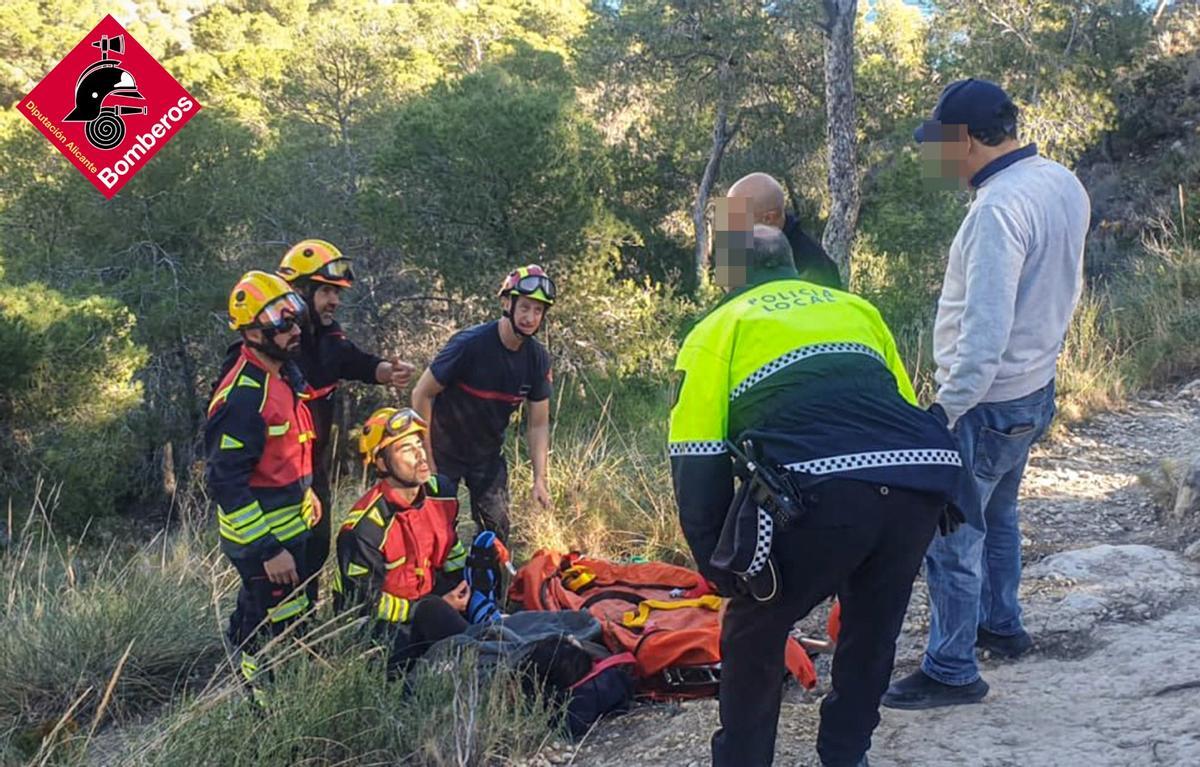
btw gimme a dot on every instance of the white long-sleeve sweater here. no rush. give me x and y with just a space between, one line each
1014 277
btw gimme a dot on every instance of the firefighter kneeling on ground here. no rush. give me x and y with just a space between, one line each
845 481
398 554
258 442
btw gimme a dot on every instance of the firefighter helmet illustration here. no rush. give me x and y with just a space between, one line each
104 79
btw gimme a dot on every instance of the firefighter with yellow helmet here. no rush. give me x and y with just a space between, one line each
259 445
398 554
318 272
477 381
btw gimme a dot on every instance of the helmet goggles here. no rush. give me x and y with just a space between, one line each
403 422
282 314
338 271
531 284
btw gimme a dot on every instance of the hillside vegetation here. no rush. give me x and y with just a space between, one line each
439 144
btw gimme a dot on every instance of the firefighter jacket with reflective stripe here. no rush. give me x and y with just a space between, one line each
390 553
258 442
811 376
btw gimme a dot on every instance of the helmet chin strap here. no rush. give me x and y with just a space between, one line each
512 323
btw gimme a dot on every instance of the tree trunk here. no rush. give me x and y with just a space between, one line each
722 136
841 121
1158 12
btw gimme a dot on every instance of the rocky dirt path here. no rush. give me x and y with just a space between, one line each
1114 608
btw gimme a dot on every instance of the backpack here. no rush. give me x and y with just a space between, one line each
664 615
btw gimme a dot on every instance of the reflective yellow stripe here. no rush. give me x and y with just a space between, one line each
218 398
249 667
244 536
356 569
290 530
280 514
244 380
305 436
280 430
374 515
241 517
639 618
457 559
289 609
392 608
397 563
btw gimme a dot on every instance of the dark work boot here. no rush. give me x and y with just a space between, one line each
919 691
1003 646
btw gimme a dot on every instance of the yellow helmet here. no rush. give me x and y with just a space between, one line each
318 261
261 300
385 426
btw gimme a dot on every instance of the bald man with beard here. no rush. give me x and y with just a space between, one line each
767 202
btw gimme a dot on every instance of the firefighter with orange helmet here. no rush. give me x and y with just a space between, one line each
258 441
474 385
398 554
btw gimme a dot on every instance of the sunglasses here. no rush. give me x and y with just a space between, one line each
338 269
281 315
527 286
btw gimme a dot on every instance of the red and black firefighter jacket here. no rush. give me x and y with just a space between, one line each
327 357
391 553
258 441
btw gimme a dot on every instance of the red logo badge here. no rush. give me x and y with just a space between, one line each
109 106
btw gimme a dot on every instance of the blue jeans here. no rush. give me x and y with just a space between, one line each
974 573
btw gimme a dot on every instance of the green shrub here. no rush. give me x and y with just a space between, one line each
68 398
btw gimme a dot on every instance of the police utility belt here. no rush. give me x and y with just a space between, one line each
768 501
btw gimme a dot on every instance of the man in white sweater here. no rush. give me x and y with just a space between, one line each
1012 282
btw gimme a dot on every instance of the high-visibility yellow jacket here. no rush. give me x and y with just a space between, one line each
812 377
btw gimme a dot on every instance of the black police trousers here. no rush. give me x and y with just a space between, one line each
863 542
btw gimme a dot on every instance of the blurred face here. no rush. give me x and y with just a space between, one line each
406 460
733 237
527 314
949 157
326 300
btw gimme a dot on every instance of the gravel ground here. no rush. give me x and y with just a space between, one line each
1101 615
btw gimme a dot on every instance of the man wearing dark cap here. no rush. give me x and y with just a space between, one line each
766 199
806 382
1012 282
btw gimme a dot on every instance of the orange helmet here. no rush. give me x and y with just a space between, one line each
318 261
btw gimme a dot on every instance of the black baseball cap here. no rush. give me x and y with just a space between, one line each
977 104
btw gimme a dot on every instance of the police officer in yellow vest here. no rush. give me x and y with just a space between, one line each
845 482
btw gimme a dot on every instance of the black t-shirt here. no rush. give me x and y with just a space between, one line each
485 383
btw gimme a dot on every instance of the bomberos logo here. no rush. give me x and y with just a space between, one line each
110 112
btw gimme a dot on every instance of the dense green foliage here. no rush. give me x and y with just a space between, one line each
441 143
